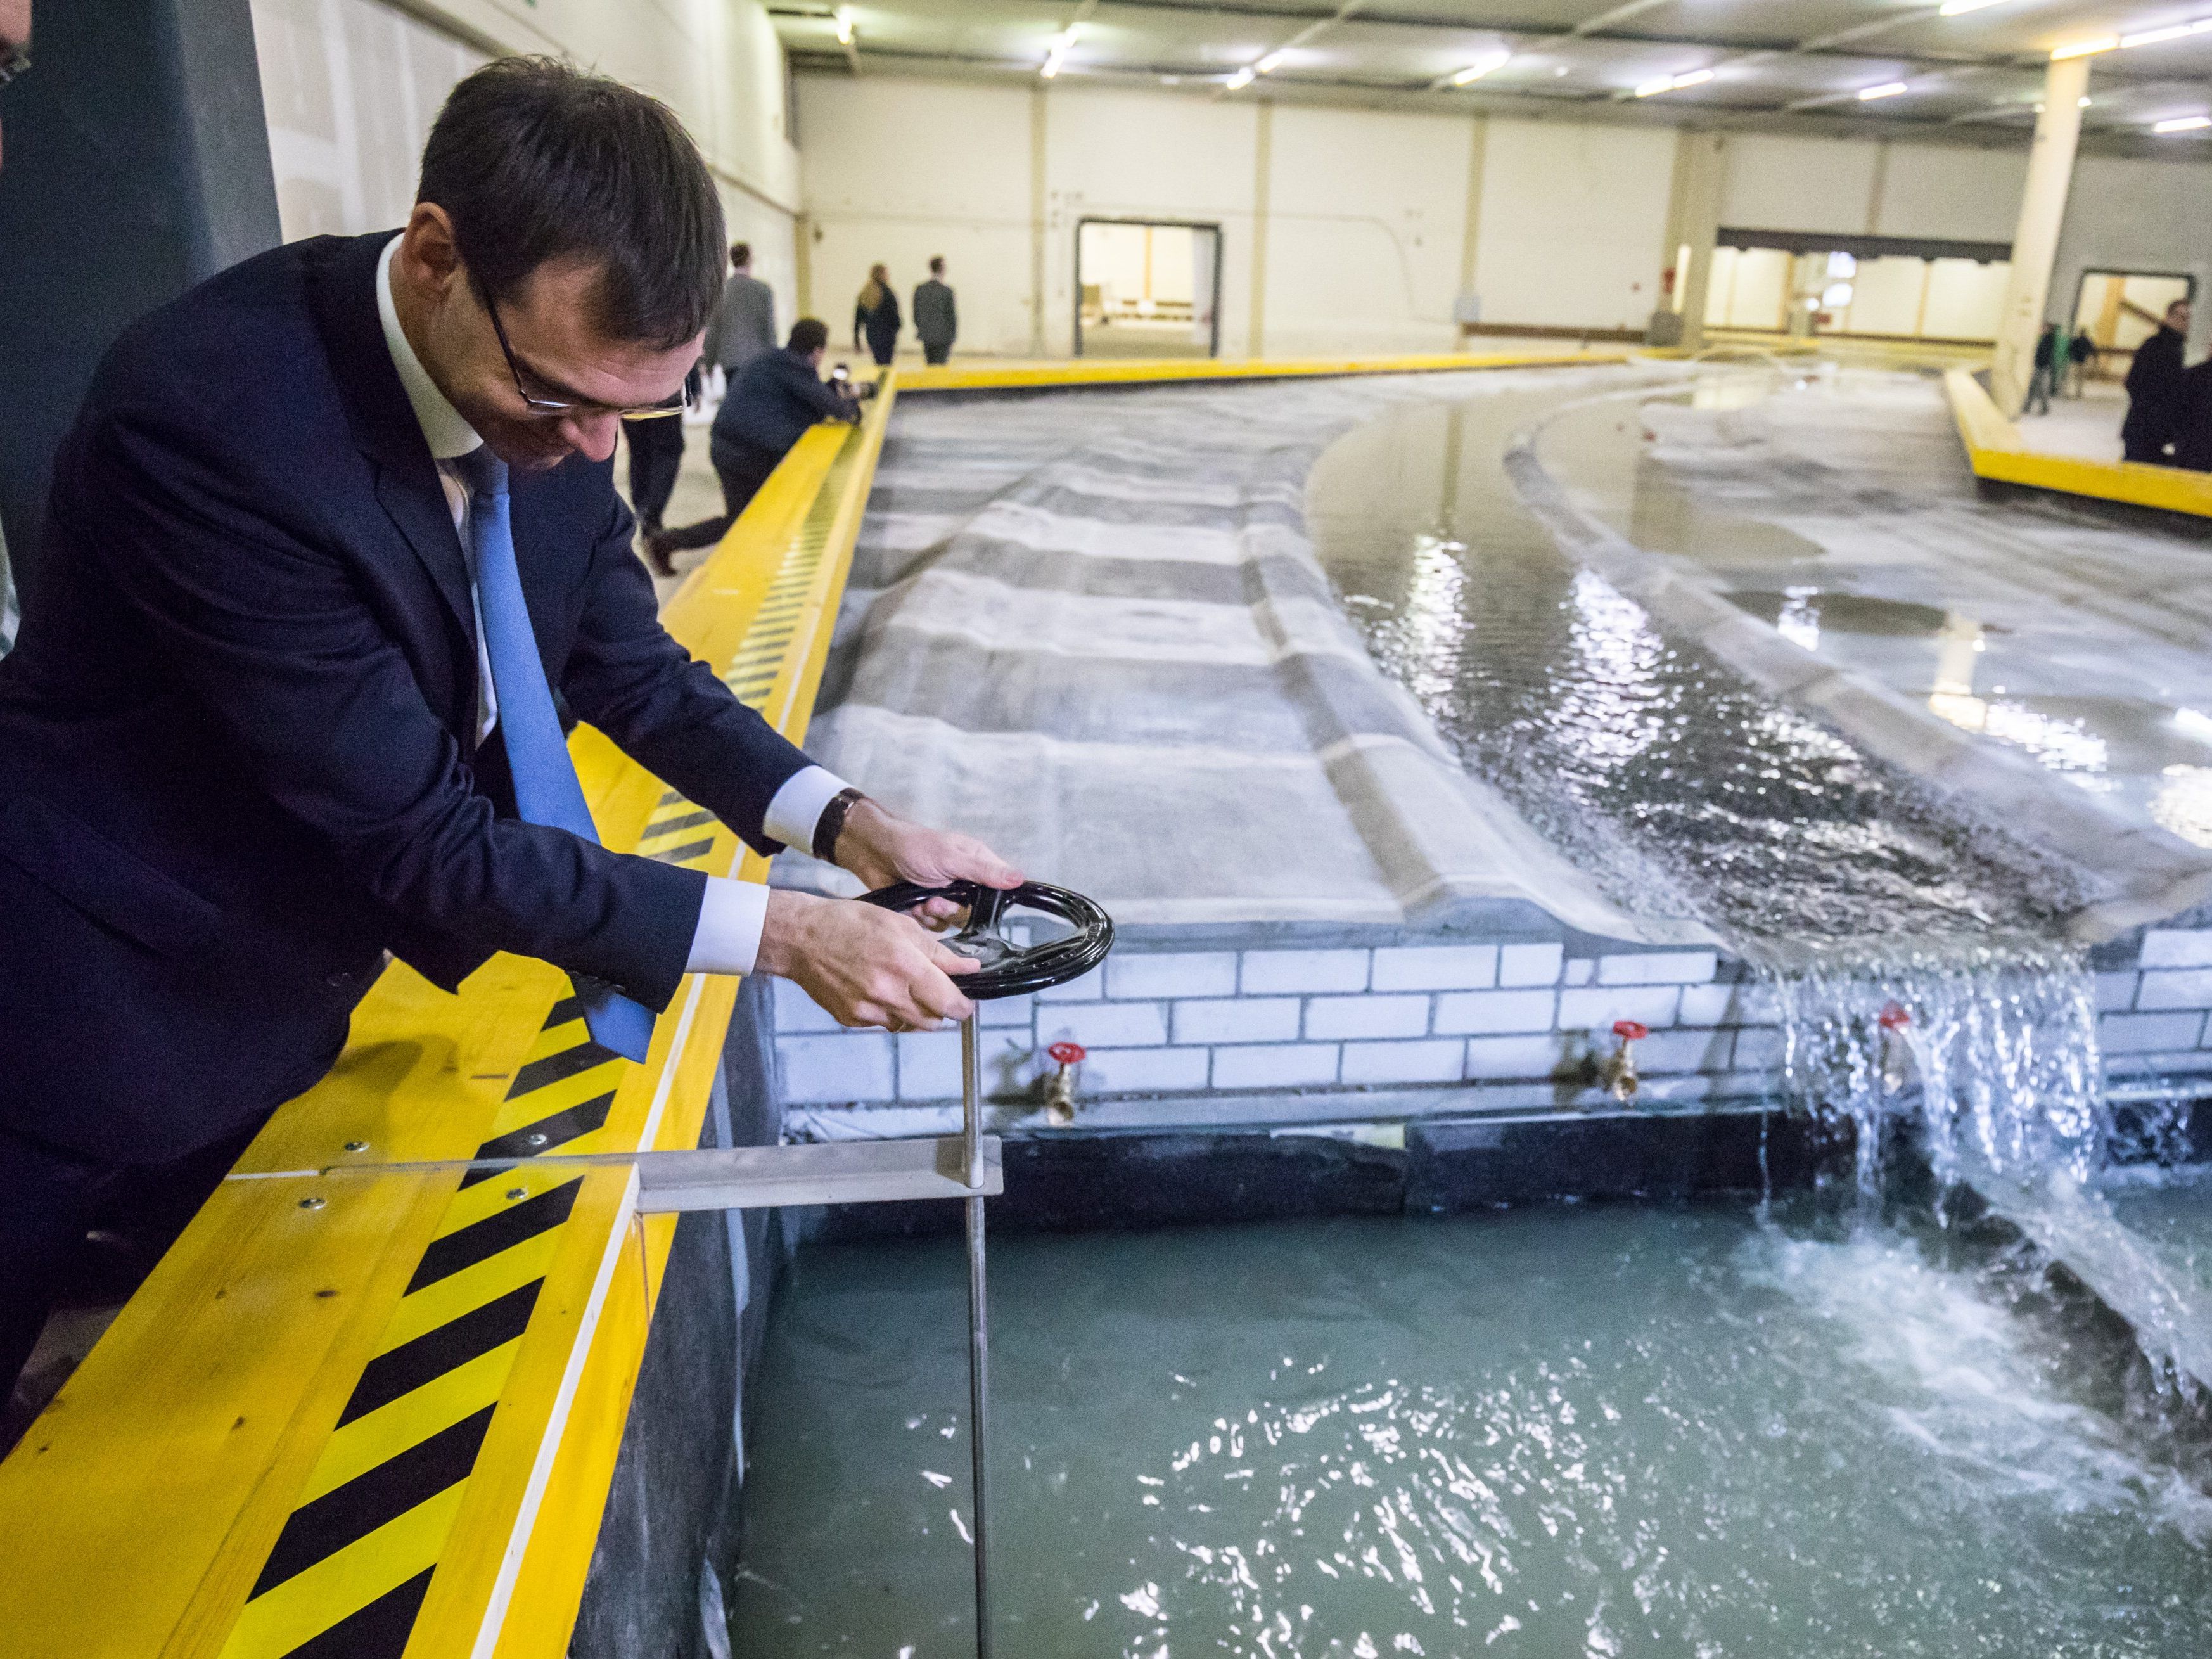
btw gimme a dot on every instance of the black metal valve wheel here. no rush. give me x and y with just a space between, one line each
1010 969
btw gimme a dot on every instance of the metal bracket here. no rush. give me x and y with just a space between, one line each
827 1172
744 1177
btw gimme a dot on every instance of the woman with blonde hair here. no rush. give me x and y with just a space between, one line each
876 313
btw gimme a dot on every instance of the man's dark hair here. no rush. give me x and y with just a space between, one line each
937 266
534 161
741 253
808 334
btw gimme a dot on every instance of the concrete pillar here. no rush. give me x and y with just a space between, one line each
1694 221
1039 202
136 165
1263 168
1471 227
2035 243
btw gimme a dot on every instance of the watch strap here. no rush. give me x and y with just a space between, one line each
831 823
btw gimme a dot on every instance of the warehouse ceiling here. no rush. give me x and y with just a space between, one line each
1790 66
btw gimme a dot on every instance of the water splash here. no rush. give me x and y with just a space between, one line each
1991 1047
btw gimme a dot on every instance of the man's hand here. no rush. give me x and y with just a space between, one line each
881 848
866 966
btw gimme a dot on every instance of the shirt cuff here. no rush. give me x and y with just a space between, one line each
730 916
798 806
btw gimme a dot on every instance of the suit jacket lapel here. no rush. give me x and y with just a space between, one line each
342 293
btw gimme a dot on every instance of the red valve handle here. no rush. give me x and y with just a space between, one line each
1067 1054
1893 1019
1630 1029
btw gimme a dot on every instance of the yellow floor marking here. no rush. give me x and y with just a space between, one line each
363 1443
440 1303
299 1609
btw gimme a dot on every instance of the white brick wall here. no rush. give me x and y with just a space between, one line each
1331 1017
1267 971
1530 964
1485 1012
1435 968
1275 1066
1398 1015
1238 1019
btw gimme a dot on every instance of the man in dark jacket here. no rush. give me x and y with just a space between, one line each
935 319
2155 390
767 409
329 537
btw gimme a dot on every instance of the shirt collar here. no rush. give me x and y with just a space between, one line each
443 427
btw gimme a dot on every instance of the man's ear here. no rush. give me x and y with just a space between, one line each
427 248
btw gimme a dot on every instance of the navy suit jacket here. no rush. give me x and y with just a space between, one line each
238 753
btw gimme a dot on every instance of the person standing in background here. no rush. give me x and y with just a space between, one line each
935 319
744 322
656 456
2154 389
2081 352
2046 368
876 313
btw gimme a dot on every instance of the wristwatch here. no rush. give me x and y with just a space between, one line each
831 823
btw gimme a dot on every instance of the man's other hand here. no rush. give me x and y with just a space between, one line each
865 966
880 849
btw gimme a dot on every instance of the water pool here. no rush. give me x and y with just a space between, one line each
1608 1432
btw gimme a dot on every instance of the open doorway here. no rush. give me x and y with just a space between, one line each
2119 310
1147 289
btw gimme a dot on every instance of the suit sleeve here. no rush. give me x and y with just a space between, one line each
627 677
242 590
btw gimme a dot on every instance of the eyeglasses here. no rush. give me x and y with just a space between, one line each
678 405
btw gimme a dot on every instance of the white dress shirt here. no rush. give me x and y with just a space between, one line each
727 939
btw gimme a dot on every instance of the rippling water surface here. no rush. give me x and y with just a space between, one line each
1545 1433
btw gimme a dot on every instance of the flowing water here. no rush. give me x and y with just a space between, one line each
1549 1432
1816 1428
1686 790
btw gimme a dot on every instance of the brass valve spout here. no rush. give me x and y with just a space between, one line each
1060 1086
1617 1072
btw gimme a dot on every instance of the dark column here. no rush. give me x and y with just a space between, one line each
135 164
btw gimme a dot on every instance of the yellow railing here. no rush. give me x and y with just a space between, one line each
1996 450
1096 371
378 1413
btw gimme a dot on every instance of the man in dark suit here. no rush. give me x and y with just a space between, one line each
331 534
2155 389
770 404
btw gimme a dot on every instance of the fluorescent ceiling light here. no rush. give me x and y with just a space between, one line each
1271 63
2156 37
1058 55
1480 67
1674 83
2184 123
1887 89
1240 80
1954 7
844 14
2086 49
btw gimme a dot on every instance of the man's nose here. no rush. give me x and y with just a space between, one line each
591 435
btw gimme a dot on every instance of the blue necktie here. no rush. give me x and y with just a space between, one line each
545 787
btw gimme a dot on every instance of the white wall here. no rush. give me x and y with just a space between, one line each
1571 223
1366 218
1365 211
2137 215
1147 156
352 86
897 171
1799 184
1964 195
